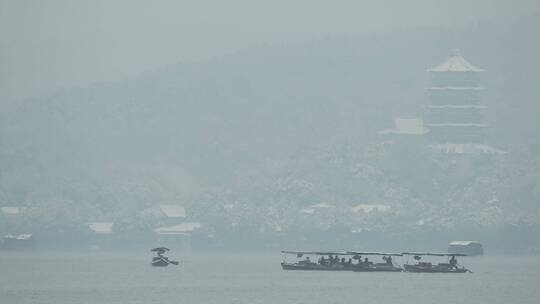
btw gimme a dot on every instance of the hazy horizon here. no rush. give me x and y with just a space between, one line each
48 45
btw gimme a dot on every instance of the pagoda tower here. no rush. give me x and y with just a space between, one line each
454 114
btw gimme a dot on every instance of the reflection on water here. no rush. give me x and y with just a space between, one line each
251 278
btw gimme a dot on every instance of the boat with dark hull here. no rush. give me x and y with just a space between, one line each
427 267
367 266
335 262
340 261
313 266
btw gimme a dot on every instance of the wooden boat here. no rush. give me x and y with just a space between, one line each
367 266
312 266
450 267
339 261
335 261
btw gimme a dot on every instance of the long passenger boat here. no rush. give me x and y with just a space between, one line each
339 261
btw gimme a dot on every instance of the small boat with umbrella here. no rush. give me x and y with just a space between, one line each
160 260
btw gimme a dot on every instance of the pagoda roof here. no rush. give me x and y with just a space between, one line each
456 63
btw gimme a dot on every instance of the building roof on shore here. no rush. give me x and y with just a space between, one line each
11 210
182 228
407 126
456 63
366 208
101 227
19 237
320 206
173 211
454 148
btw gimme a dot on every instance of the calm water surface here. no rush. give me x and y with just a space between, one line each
251 278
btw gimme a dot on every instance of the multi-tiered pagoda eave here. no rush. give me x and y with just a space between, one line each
454 115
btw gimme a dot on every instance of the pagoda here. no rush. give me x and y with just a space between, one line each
454 114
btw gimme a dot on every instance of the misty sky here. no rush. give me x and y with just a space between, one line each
45 45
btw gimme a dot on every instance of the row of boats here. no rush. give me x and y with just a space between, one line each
360 262
349 261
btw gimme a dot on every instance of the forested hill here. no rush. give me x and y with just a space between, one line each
239 127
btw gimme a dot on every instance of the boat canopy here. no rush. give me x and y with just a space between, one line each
317 252
375 253
369 253
433 254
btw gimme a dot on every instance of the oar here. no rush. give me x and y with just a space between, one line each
174 262
463 267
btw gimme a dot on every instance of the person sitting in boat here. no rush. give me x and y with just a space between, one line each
388 260
366 261
453 261
349 262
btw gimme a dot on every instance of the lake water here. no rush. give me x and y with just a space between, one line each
251 278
